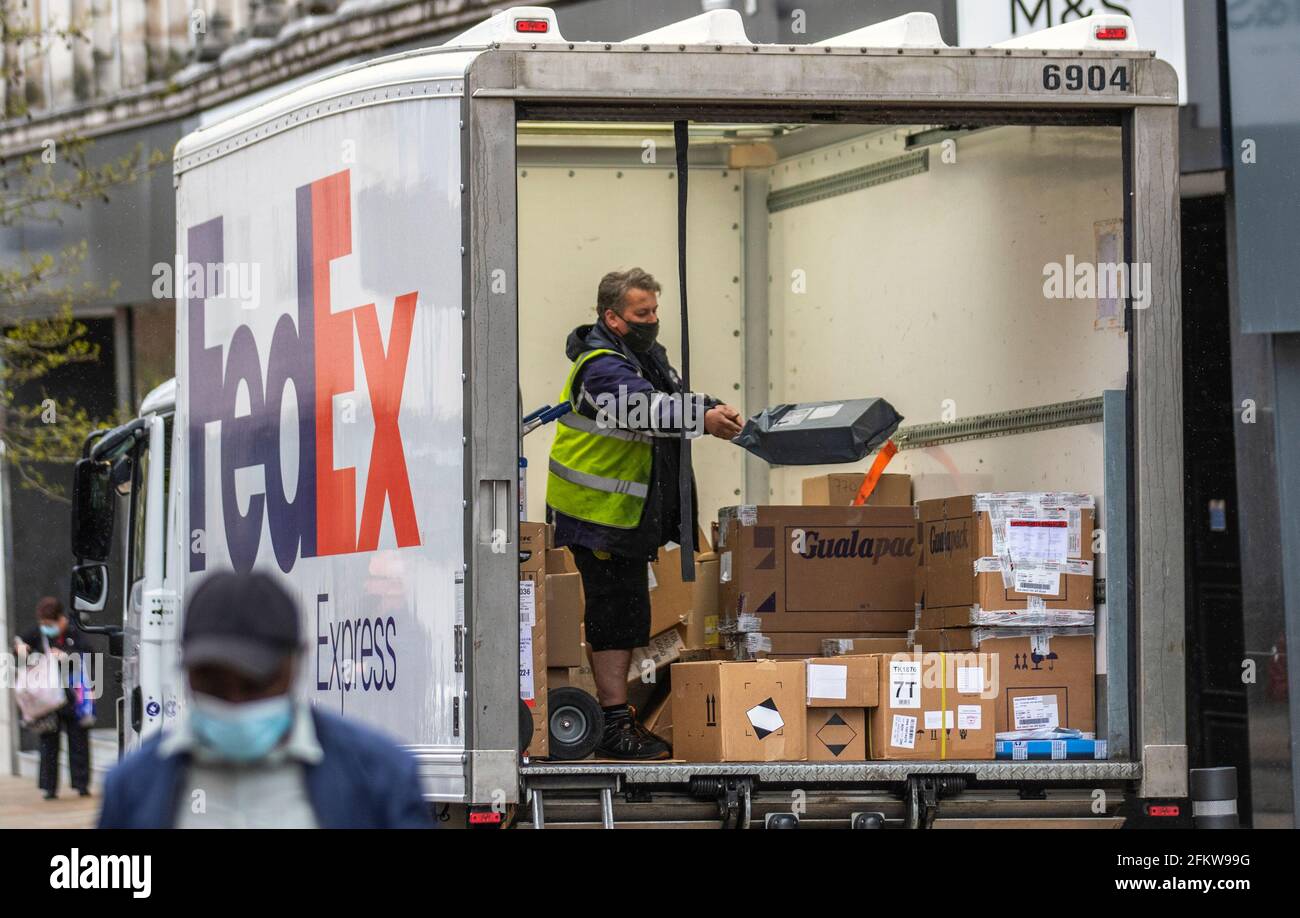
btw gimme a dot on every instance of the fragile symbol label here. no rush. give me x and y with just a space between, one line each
765 718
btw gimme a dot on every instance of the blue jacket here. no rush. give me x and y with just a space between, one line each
363 781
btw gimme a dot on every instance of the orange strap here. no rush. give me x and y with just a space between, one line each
873 474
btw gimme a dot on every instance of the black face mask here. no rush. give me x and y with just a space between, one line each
641 336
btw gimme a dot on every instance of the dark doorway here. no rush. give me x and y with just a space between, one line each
1216 694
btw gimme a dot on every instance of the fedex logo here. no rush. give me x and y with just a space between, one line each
315 355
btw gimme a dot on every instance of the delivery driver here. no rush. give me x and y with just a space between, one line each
612 488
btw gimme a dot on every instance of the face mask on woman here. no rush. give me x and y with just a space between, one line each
50 631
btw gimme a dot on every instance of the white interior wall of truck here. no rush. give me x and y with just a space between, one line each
929 291
576 223
335 266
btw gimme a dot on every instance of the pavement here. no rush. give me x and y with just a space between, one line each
22 806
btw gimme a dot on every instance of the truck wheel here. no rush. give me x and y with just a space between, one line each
576 723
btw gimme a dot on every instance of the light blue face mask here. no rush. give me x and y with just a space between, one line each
50 631
242 732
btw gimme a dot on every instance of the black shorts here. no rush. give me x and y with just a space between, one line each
617 591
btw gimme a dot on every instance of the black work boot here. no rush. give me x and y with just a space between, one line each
624 738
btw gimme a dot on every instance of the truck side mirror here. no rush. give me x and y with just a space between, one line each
93 508
90 587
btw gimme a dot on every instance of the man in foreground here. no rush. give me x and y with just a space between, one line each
248 753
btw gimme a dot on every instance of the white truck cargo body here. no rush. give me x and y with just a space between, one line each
319 419
348 392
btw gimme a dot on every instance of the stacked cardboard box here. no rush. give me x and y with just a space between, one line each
1005 558
792 576
674 602
840 489
839 694
933 706
533 539
739 712
1003 573
1045 678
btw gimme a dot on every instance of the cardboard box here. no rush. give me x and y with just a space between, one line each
532 541
663 649
670 597
840 489
560 561
843 682
675 602
832 569
957 538
532 647
944 639
576 676
939 619
564 615
933 706
857 646
702 629
739 712
1045 680
813 644
837 735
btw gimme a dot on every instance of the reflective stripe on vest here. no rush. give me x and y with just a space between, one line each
596 473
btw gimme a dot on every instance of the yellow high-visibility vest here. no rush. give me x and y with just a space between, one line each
598 472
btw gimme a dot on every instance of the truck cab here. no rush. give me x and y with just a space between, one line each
124 473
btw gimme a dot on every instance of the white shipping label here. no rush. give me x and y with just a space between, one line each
969 717
932 720
1040 643
1035 712
747 514
903 733
828 680
905 684
724 567
793 418
1037 539
527 603
1037 581
970 680
1076 532
650 575
526 691
825 411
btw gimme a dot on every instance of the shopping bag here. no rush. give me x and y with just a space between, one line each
40 692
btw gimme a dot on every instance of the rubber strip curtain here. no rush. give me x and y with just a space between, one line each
686 534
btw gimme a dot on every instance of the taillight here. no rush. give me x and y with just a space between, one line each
1156 810
532 26
1110 33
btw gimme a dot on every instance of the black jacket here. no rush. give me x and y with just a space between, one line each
606 375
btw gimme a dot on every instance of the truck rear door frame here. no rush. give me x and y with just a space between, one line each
509 83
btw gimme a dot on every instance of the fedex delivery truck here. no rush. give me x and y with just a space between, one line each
376 274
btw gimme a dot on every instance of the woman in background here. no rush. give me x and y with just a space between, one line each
53 636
